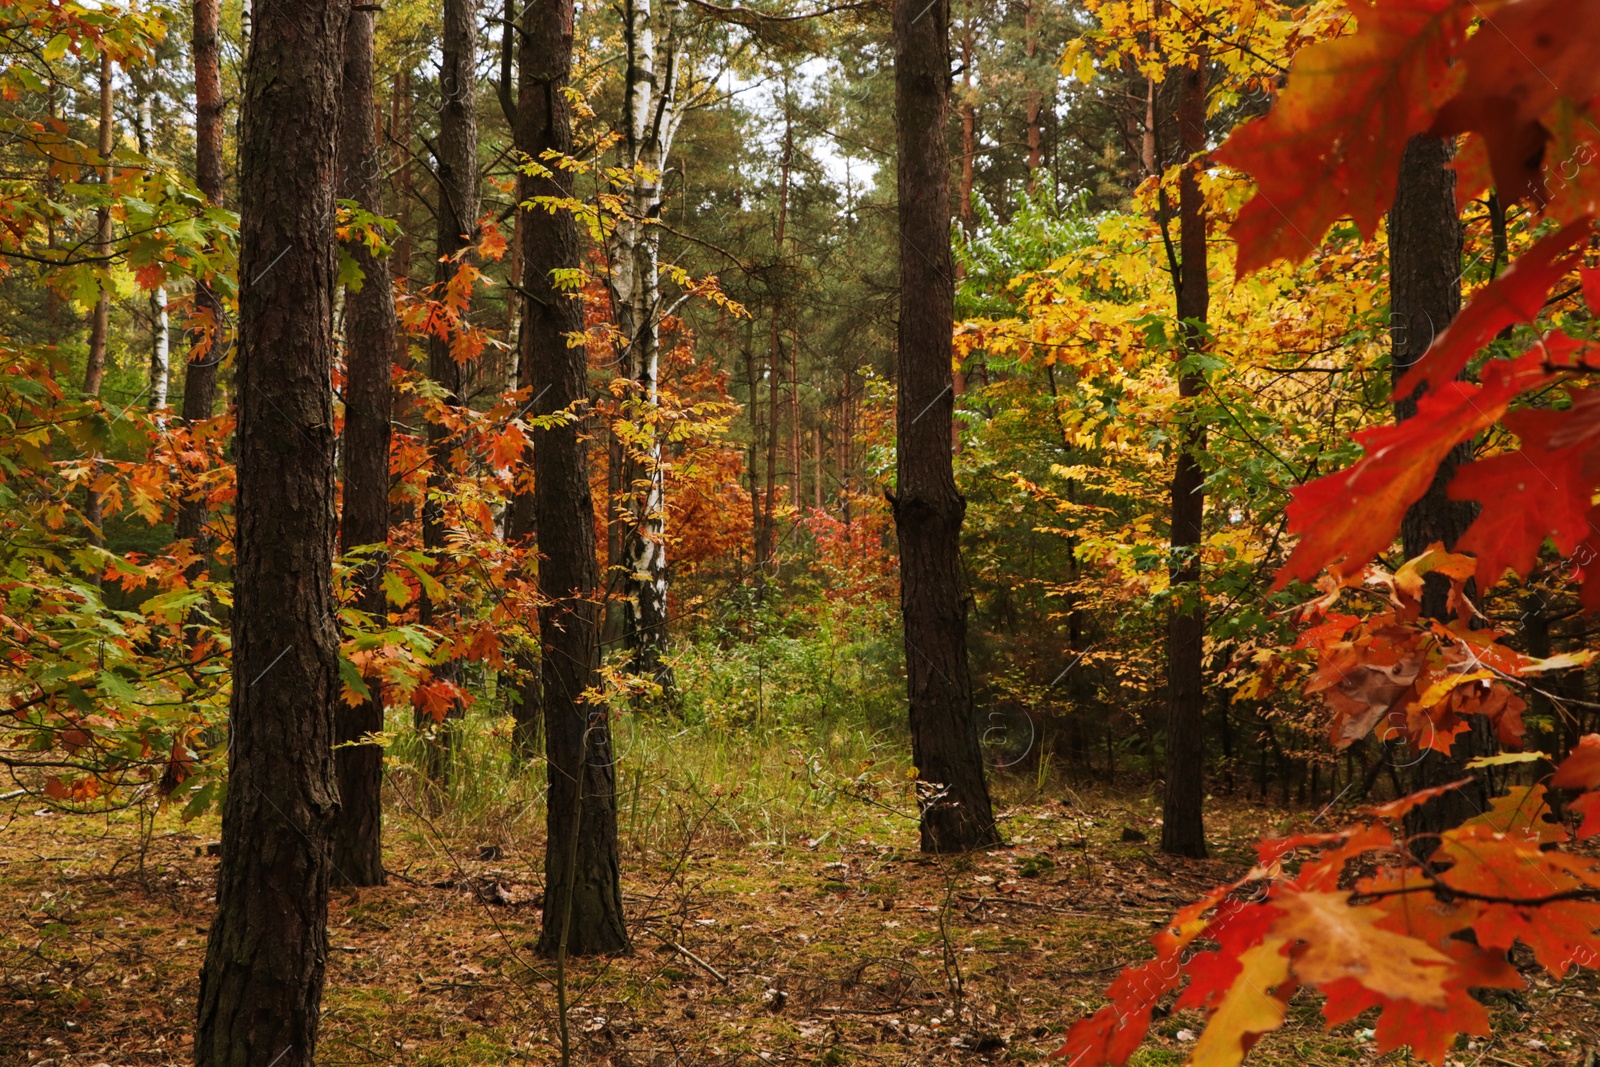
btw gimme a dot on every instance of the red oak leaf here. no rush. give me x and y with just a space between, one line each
1331 145
1516 296
1344 520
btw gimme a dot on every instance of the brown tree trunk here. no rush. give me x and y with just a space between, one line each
1425 246
200 374
969 130
1183 827
457 211
401 134
370 335
1035 101
261 984
100 325
928 508
583 890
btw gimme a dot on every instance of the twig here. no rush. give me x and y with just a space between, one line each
712 971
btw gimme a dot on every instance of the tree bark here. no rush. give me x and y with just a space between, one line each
583 890
969 129
200 374
370 335
1183 827
1035 99
1425 248
261 985
928 509
650 120
457 213
94 371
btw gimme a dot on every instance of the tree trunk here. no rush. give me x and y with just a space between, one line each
969 129
583 890
928 508
370 337
261 984
401 135
1183 827
457 167
160 349
650 119
1425 246
100 325
205 354
1035 99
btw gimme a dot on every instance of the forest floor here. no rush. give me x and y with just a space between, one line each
849 948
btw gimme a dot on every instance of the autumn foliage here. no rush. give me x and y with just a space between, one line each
1367 917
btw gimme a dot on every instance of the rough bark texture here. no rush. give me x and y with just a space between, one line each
200 374
261 984
370 332
1183 826
457 167
1425 246
928 509
583 889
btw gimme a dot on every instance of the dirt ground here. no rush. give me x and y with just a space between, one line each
842 949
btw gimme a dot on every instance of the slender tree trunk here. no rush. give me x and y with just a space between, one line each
370 338
1425 246
928 508
1183 827
650 117
775 360
818 488
457 212
160 349
969 130
583 892
761 536
261 986
1035 101
160 340
100 325
206 351
401 136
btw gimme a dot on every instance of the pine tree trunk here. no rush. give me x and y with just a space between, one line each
969 130
457 212
1183 827
370 337
200 373
261 984
1425 247
1035 99
583 891
928 508
204 359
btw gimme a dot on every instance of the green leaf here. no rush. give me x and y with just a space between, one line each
352 678
395 588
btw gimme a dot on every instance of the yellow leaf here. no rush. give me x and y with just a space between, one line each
1521 811
1445 686
1248 1009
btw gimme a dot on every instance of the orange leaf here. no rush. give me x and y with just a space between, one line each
1581 768
1342 940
